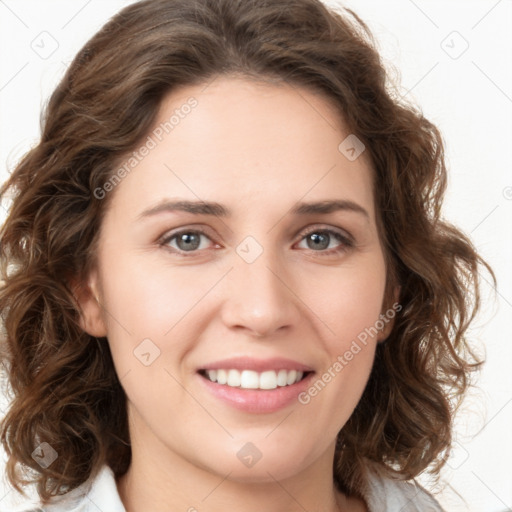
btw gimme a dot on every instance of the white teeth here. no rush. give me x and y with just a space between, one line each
249 379
222 376
233 378
268 380
282 378
290 378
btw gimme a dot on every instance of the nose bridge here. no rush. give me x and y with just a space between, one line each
259 299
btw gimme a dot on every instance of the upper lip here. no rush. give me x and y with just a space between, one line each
258 365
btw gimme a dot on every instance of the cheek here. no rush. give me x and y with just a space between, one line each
350 303
147 299
351 314
349 308
150 331
145 313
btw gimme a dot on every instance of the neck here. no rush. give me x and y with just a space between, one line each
159 480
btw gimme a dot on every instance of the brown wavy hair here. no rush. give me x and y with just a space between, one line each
63 385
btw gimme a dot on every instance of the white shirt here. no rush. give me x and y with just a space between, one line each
384 495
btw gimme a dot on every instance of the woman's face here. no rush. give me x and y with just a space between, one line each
258 289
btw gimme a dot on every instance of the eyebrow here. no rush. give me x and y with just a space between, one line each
217 209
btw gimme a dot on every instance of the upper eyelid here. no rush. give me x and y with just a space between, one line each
323 227
168 235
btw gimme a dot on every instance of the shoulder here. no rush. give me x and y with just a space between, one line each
98 493
383 492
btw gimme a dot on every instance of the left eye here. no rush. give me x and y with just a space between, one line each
317 240
321 238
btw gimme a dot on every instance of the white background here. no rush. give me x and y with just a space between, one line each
467 92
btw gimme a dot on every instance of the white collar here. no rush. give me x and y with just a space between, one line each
97 494
383 493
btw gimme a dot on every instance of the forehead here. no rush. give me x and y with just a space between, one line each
247 144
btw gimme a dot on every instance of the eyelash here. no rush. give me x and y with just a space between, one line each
346 242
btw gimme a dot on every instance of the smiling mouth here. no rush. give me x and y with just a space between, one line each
250 379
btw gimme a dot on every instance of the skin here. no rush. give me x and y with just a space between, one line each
258 149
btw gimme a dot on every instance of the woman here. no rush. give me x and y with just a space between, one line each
226 279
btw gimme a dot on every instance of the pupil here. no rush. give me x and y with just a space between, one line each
190 243
318 239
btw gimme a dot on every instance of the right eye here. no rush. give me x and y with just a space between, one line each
185 241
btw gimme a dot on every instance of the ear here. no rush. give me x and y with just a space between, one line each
388 314
90 302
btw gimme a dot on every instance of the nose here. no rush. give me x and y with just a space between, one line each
260 297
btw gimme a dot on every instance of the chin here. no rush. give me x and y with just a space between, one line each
263 474
265 466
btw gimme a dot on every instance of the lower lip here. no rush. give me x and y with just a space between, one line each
257 400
